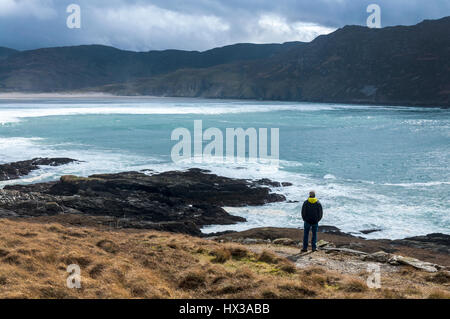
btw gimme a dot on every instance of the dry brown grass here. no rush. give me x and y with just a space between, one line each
221 255
268 257
442 277
150 264
439 294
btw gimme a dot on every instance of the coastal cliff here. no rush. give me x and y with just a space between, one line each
400 65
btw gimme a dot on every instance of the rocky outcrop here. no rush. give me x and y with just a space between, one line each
284 242
432 248
383 257
171 201
436 242
17 169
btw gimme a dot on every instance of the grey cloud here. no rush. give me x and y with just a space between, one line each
196 24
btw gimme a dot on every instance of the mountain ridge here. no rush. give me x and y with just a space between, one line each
398 65
405 65
77 67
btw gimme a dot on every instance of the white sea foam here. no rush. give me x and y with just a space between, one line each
351 207
424 184
91 161
13 112
10 115
348 204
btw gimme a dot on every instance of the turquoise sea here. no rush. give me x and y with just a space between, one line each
372 167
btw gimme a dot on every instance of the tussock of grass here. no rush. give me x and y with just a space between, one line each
439 294
108 246
355 285
228 252
269 294
238 252
314 270
244 273
287 267
294 290
221 255
96 270
192 280
268 257
442 277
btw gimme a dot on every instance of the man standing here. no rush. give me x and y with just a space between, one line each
312 214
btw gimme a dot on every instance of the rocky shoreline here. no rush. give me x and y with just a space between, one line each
16 170
433 248
173 201
177 201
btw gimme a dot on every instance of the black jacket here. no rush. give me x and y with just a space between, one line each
312 213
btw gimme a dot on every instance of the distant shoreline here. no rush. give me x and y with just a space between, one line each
22 95
98 95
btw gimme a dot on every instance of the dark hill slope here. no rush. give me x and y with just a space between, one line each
69 68
394 65
6 52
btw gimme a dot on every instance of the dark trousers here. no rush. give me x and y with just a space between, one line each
314 229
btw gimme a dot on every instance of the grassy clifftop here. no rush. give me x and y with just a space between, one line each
150 264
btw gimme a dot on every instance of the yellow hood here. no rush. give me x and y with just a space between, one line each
312 200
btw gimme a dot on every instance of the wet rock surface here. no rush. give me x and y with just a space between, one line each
369 231
17 169
436 242
171 201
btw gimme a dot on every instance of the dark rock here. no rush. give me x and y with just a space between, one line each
379 256
284 242
369 231
436 242
220 233
268 182
332 230
436 238
17 169
7 213
171 201
352 245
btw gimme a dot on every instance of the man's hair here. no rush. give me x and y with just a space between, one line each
312 194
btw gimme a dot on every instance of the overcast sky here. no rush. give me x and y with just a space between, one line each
143 25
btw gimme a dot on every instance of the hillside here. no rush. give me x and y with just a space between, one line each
69 68
6 52
118 263
401 65
394 65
